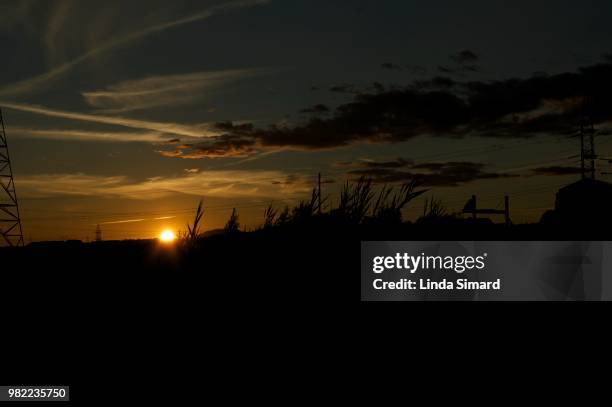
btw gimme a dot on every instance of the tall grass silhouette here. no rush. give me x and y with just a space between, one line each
233 224
193 233
359 202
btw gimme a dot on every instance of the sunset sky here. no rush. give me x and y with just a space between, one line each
126 113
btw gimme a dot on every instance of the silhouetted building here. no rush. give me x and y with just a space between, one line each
586 202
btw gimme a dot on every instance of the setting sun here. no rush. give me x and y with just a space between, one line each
167 236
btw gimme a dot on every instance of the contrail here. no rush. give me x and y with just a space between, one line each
168 128
37 81
123 221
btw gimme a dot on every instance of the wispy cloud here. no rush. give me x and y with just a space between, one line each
83 135
197 131
167 90
39 81
220 184
57 21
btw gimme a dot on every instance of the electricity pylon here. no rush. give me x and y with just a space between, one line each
11 232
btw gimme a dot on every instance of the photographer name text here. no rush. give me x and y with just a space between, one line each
457 265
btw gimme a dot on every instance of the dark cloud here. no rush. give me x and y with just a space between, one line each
550 105
445 69
345 88
437 82
289 180
296 180
316 109
416 69
458 70
377 87
465 57
244 128
391 66
462 62
447 174
556 171
397 163
227 145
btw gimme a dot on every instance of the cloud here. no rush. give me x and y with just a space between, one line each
37 82
221 184
193 131
431 174
366 163
44 186
222 146
465 56
556 171
168 90
540 106
390 116
391 66
442 83
316 109
344 88
416 69
82 135
462 62
58 19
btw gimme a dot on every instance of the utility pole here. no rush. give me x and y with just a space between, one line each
587 144
320 201
474 208
11 232
507 210
98 234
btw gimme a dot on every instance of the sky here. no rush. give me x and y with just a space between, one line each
127 113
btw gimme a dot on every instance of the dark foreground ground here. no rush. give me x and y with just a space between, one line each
74 311
283 264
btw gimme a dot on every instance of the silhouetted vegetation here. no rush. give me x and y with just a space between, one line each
192 234
301 241
359 203
389 205
233 225
434 208
270 216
